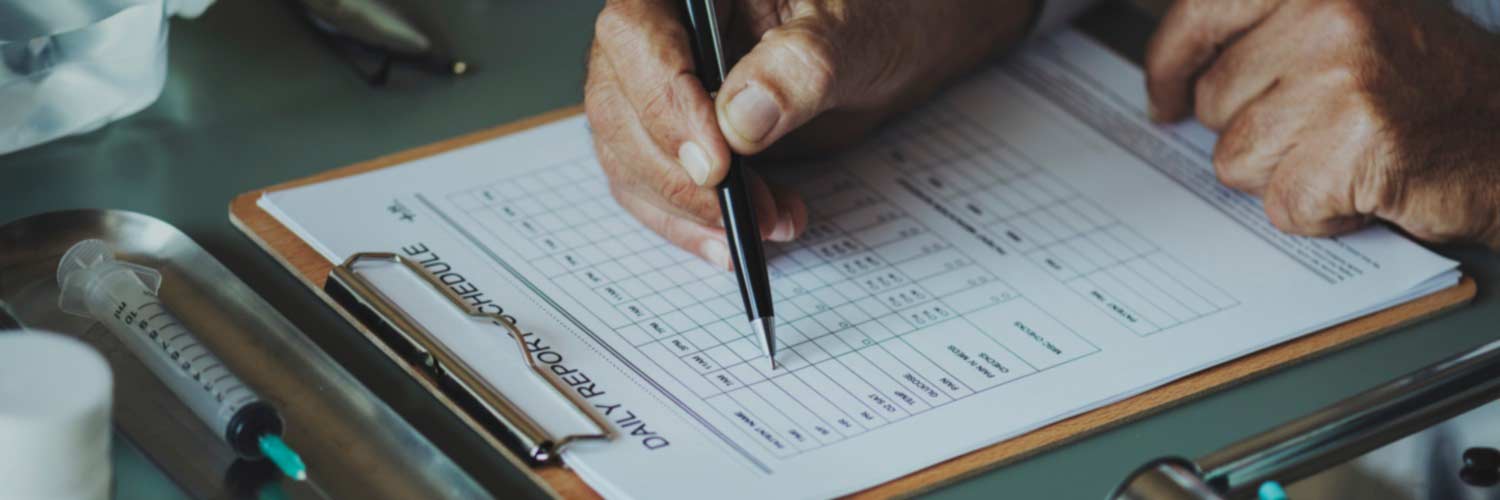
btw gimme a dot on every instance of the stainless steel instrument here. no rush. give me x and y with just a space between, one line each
1327 437
354 444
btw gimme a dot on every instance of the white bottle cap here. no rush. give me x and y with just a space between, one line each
55 396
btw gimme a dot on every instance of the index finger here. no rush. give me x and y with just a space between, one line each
1189 38
649 49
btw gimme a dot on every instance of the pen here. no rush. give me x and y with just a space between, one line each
734 197
376 28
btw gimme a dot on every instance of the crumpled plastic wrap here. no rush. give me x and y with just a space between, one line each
72 66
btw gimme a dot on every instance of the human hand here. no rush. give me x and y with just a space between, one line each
817 73
1339 111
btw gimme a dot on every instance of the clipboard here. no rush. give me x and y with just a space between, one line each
508 435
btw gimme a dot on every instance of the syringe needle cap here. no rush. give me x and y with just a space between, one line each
282 455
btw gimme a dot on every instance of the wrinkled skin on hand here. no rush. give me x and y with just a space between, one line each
815 74
1338 112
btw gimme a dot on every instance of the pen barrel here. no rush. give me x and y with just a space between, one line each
708 55
749 255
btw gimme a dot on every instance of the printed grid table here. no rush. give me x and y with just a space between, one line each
879 317
952 164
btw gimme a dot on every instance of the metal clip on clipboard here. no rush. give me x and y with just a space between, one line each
476 396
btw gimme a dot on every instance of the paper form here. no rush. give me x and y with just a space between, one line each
1025 248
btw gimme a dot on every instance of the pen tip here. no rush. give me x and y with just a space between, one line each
765 329
460 67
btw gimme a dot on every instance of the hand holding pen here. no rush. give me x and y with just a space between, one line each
672 110
816 74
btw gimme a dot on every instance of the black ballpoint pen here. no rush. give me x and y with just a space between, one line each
734 195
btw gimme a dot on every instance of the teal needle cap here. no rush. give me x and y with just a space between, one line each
1271 490
282 455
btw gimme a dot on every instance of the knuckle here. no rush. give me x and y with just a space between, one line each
1324 197
1204 92
1229 169
1311 205
1184 33
1340 78
1195 19
815 53
1342 19
1227 152
1156 63
601 106
667 103
658 106
679 193
1375 191
1285 207
1376 179
1292 215
612 22
1276 212
1185 13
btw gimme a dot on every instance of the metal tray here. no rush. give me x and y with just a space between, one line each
354 444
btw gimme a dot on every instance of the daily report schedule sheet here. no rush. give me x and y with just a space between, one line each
1024 248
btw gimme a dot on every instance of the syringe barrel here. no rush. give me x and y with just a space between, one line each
115 295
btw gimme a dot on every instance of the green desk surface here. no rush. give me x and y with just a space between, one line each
254 98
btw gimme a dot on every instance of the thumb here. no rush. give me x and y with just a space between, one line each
794 73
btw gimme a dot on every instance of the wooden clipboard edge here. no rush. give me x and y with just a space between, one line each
312 270
419 152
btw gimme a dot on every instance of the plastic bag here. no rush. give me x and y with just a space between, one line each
71 66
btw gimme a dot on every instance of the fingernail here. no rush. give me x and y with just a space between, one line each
694 160
752 113
785 228
717 252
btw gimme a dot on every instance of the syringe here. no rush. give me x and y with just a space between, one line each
123 297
